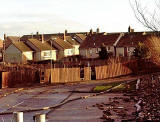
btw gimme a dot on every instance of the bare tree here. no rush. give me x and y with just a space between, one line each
147 15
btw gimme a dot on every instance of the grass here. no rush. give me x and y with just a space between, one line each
117 87
101 88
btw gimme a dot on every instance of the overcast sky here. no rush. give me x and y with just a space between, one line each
20 17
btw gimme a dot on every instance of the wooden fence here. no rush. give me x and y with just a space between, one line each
17 78
76 73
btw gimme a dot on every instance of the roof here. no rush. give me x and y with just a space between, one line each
22 46
132 39
81 36
96 40
1 43
41 46
11 39
71 40
62 43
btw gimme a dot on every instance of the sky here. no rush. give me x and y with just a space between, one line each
21 17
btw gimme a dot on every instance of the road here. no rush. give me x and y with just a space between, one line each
82 110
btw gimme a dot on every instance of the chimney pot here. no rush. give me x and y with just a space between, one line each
91 31
4 36
42 38
129 29
66 32
98 30
64 35
37 33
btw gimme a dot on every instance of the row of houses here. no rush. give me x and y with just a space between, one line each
42 47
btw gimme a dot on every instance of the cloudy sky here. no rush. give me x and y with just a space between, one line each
20 17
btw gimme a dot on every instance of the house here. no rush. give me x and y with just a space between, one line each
92 44
80 37
64 48
1 49
42 50
129 42
74 43
18 52
9 39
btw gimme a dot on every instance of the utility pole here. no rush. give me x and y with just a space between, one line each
51 61
3 53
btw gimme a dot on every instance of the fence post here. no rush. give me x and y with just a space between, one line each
40 118
18 117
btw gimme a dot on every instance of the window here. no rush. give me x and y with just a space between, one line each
129 49
47 54
97 50
70 52
90 51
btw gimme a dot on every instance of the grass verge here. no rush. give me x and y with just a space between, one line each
117 87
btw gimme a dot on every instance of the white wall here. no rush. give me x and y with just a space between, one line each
28 55
48 54
76 49
68 52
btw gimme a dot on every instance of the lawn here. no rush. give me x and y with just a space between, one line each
116 87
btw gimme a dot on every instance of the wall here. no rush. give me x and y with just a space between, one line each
120 51
68 52
13 55
76 49
28 55
43 57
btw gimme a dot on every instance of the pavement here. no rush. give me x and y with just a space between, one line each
82 110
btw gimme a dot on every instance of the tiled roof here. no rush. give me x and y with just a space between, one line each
81 36
41 46
11 39
22 46
1 43
96 40
62 43
71 40
132 39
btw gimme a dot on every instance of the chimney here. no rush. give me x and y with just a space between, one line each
37 33
42 38
65 32
64 36
144 33
97 30
91 31
130 29
4 36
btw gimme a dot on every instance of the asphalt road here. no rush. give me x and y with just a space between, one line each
82 110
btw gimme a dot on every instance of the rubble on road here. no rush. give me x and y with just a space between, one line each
141 104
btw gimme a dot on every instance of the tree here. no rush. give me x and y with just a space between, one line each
141 51
147 16
153 45
103 54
